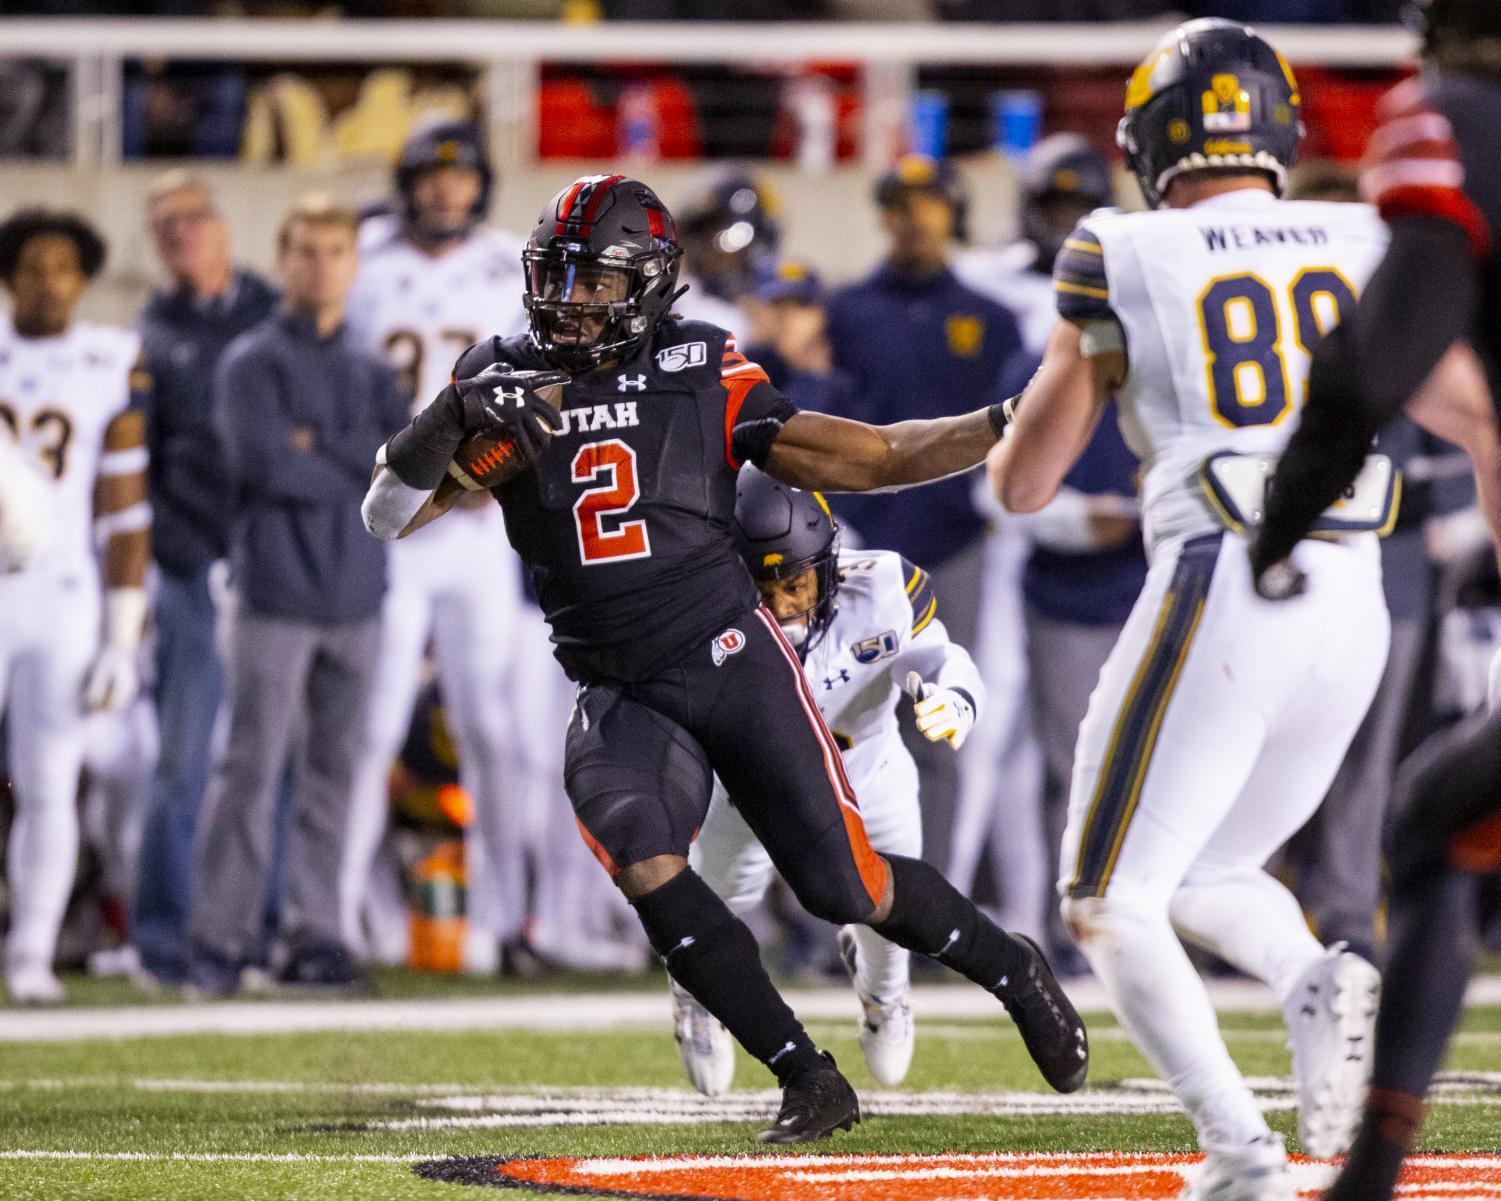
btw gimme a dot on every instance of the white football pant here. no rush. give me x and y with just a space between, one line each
1216 728
49 631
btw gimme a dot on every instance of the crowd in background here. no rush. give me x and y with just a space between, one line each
346 754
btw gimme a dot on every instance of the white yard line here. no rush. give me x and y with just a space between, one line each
545 1011
211 1157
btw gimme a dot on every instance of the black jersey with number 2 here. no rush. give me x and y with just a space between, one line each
625 519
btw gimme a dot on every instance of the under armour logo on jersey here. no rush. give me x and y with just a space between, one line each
631 383
829 681
731 642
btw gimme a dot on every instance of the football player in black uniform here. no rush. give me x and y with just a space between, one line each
1435 171
625 519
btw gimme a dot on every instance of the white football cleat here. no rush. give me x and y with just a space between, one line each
1254 1172
1331 1018
706 1047
32 982
887 1035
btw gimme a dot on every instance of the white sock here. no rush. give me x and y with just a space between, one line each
885 968
1164 1007
1249 920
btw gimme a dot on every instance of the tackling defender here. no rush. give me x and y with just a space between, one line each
1219 719
864 623
624 517
1432 171
71 618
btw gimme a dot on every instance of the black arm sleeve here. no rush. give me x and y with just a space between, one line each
1421 301
420 453
757 425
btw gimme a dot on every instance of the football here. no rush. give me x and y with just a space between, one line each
486 459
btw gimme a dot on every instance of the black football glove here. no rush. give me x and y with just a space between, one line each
517 403
1277 580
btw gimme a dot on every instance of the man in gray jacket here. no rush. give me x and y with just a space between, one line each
301 411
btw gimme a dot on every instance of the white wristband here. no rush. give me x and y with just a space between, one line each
124 617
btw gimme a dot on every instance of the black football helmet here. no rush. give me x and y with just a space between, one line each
732 233
445 144
781 532
601 271
1062 167
1211 95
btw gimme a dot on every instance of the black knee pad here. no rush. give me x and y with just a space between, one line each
638 782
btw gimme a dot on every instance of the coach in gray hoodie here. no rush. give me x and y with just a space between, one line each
301 410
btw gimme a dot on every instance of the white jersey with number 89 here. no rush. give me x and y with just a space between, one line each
1220 305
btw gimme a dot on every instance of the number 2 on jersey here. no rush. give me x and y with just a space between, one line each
613 498
1242 330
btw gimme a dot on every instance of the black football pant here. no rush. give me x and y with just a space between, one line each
641 757
1449 833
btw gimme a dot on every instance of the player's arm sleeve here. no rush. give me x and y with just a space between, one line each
754 411
1081 291
925 644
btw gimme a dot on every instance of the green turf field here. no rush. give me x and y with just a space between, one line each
169 1117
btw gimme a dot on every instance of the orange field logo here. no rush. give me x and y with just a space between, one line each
1022 1177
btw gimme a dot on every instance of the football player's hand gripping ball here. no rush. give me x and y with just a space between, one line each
943 714
519 404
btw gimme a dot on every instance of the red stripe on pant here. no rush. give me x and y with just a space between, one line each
872 867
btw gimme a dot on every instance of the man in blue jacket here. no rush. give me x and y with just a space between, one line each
301 411
184 330
916 343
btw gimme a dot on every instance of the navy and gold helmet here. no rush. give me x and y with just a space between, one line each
1212 95
433 146
1062 168
781 532
730 231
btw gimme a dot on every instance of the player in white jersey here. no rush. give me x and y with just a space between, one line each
865 625
71 616
433 281
1220 718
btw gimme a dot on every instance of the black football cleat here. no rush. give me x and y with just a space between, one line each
1050 1026
815 1103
